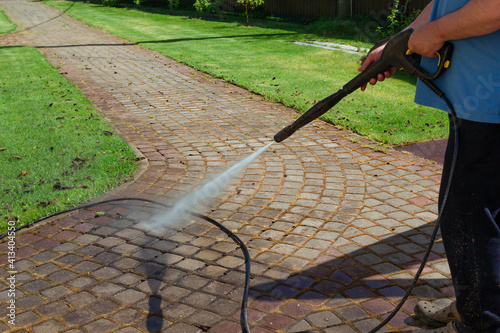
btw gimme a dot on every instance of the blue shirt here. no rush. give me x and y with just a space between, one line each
472 82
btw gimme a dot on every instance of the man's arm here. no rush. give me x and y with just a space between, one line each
475 18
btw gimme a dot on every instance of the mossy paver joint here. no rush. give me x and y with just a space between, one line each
335 230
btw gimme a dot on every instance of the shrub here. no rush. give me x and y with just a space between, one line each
173 4
398 19
208 7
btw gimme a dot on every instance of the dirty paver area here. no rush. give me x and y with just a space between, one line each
335 230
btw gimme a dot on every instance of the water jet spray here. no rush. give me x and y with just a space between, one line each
201 195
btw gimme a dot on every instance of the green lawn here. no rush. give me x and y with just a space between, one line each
56 150
6 25
263 59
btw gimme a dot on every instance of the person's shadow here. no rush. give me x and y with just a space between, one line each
361 274
154 321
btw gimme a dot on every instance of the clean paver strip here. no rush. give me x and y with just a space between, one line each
335 229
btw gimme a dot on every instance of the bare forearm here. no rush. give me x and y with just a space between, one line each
476 18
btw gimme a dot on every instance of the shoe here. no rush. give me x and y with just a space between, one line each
450 328
435 315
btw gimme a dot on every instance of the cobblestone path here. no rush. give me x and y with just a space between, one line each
335 230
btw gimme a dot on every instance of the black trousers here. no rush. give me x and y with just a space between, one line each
470 224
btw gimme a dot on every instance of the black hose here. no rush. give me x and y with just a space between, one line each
236 239
441 94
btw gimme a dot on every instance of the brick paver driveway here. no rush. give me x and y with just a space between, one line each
335 229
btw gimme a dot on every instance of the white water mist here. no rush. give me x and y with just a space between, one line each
179 212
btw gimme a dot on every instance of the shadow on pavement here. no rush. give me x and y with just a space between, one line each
358 274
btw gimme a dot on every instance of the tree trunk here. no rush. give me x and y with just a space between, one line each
246 11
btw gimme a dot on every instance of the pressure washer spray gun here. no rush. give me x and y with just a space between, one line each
395 54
